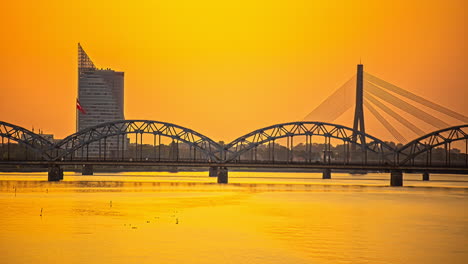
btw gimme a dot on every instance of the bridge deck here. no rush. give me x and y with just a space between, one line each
252 165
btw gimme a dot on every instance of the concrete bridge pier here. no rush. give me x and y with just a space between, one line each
213 172
425 176
326 174
55 173
396 178
87 170
222 175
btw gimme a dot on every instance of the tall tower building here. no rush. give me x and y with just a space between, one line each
100 99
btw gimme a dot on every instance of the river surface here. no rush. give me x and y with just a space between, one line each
185 217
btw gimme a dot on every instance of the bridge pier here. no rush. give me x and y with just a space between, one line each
425 176
213 171
87 170
55 173
173 169
223 175
326 174
396 178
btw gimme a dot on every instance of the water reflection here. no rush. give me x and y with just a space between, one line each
273 218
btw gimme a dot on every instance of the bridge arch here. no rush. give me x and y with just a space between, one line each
25 137
366 143
121 128
415 149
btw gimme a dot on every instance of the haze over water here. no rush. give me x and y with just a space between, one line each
157 217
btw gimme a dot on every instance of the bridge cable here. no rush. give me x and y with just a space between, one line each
410 109
335 105
393 114
384 122
415 97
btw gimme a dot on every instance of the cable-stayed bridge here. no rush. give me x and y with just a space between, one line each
304 144
389 104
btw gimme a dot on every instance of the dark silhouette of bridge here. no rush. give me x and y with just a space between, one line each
319 145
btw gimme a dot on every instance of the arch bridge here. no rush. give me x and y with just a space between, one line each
27 140
422 150
300 145
110 141
360 149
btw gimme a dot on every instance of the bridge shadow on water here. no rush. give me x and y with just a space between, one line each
240 182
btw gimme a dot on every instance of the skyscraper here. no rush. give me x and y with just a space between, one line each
100 98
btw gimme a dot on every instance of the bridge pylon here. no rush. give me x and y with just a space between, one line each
359 110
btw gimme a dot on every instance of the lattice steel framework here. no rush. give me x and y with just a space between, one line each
410 152
265 135
84 62
121 128
417 152
26 138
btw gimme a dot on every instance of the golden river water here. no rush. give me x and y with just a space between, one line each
185 217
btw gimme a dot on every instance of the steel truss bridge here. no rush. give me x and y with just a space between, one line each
322 146
299 145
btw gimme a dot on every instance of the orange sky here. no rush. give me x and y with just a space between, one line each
226 68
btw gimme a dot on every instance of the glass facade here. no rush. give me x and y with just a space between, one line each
101 95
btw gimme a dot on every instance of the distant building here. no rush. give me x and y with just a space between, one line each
100 99
49 137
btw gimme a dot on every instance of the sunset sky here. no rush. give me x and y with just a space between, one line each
225 68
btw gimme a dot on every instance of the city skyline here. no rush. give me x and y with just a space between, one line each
207 131
236 82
